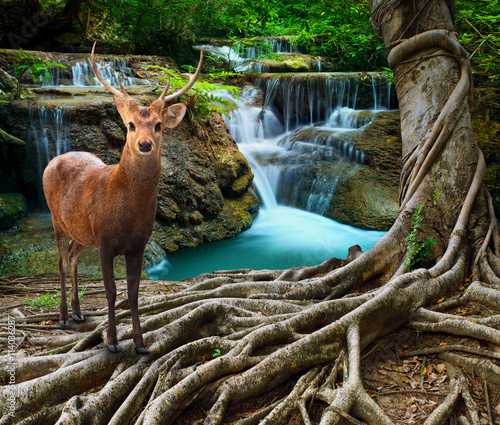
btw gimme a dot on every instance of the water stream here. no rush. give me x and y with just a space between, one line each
278 152
46 138
83 76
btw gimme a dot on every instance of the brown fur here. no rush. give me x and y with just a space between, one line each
109 207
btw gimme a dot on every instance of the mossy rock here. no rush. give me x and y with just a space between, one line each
364 201
29 248
12 207
290 62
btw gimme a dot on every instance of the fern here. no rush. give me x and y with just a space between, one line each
204 98
417 251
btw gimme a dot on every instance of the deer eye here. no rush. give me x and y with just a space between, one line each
131 126
158 127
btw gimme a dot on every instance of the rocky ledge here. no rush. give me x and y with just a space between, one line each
205 192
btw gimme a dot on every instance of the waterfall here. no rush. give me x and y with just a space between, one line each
241 56
83 76
47 138
285 147
299 159
267 45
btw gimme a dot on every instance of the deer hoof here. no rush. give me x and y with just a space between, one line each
78 317
113 348
64 323
142 350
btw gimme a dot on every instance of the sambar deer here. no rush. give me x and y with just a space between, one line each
111 207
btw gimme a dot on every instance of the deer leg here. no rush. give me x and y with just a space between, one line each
109 285
134 268
75 250
62 241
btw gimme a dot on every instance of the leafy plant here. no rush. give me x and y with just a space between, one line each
43 302
48 301
436 196
36 66
417 251
216 353
478 27
389 74
204 98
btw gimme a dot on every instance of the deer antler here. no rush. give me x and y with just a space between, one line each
192 80
123 95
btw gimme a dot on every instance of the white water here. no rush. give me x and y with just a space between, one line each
83 75
281 236
47 137
241 57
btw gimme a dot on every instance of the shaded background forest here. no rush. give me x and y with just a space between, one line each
338 29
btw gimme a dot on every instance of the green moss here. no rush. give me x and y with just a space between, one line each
12 207
243 209
30 248
241 184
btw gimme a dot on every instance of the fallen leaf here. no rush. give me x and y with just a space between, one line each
440 368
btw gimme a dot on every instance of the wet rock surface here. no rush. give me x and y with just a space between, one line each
355 173
205 188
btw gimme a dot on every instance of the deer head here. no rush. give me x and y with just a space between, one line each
145 124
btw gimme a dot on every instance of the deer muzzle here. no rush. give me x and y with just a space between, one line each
145 146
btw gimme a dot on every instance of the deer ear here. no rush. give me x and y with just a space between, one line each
121 106
173 115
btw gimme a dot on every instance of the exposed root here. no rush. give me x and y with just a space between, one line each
443 411
480 367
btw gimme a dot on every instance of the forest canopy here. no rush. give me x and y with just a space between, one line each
338 29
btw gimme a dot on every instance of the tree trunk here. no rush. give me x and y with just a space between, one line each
234 335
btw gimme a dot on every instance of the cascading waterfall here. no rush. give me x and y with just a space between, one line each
241 56
83 76
47 138
266 45
279 151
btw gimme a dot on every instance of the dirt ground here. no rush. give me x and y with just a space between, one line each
407 388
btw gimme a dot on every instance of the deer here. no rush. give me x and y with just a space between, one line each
112 207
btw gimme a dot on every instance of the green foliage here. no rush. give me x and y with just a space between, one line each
388 74
204 98
36 66
338 29
436 195
478 26
417 251
47 301
217 353
43 302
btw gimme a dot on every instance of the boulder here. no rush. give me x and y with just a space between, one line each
349 176
12 207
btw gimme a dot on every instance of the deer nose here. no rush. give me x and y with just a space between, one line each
145 146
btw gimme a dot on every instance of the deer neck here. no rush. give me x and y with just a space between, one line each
139 174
